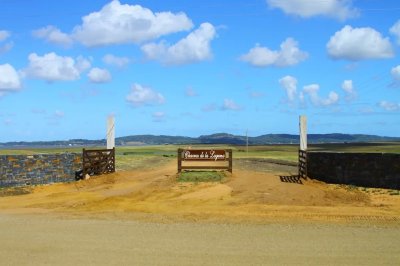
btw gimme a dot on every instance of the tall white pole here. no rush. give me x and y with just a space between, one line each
303 133
110 132
247 143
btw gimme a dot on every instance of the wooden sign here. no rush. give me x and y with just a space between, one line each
210 155
203 155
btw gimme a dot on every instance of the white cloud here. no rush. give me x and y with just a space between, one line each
6 47
158 116
289 84
82 64
118 23
288 55
9 79
396 73
230 105
193 48
358 44
389 106
98 75
395 30
113 60
52 67
53 35
339 9
312 91
349 89
141 95
4 35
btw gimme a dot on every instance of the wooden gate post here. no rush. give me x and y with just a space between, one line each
179 160
230 167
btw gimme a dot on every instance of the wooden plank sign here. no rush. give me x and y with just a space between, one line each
210 155
203 155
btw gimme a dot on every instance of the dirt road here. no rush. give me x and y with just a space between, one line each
49 240
146 217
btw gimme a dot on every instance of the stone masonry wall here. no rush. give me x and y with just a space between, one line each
19 170
360 169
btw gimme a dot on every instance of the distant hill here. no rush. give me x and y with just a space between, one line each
219 138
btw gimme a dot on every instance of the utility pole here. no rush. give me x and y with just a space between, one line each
247 143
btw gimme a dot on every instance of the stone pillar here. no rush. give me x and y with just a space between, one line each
303 133
110 132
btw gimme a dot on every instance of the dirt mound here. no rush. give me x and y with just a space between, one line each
243 196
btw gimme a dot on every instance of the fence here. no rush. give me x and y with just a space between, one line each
97 162
205 156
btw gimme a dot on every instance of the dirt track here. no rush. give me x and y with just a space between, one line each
38 240
252 217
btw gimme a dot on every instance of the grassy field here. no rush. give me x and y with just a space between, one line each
134 157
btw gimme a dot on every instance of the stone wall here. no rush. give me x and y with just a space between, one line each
19 170
360 169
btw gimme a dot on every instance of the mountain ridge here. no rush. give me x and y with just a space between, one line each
217 138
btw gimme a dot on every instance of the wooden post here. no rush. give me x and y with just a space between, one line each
303 133
230 167
113 167
179 160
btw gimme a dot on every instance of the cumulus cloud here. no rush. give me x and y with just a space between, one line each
52 67
358 44
53 35
230 105
9 79
113 60
312 91
118 23
289 84
193 48
349 89
339 9
395 30
141 95
288 55
389 106
99 75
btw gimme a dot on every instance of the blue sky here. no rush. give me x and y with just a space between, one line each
190 68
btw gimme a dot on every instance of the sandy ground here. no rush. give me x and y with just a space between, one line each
39 240
253 217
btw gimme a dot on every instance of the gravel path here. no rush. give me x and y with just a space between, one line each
48 240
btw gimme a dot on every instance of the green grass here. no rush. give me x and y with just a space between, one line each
134 157
201 176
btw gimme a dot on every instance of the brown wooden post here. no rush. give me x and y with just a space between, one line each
113 168
179 160
230 167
